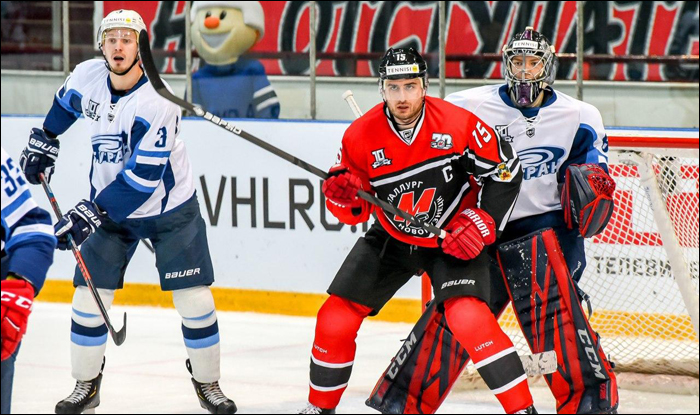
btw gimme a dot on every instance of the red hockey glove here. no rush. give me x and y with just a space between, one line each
17 300
469 233
341 187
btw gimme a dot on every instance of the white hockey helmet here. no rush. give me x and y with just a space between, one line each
128 19
253 13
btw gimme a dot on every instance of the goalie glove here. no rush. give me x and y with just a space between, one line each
587 198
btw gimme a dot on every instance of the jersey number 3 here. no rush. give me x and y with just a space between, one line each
162 136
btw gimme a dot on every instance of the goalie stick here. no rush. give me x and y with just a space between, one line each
117 336
153 76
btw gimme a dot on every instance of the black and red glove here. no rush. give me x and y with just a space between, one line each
469 233
587 198
17 300
341 187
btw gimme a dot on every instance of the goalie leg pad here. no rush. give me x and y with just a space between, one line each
422 373
550 315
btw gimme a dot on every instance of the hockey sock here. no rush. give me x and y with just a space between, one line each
88 333
200 331
333 353
493 353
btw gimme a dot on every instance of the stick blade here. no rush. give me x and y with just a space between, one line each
540 363
120 336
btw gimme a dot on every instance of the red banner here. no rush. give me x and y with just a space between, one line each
347 29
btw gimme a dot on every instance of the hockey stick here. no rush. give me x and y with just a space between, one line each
153 76
534 364
117 336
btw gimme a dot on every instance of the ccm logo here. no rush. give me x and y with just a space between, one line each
591 353
400 358
180 274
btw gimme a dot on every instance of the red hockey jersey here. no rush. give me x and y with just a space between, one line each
452 161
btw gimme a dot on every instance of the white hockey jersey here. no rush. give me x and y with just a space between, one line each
140 168
28 242
563 131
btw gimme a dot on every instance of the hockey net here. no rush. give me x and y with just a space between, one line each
635 268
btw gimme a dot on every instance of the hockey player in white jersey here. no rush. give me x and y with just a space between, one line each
28 245
566 195
141 187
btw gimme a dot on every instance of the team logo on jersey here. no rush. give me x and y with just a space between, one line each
110 114
540 161
504 172
530 132
380 159
108 148
427 208
502 131
441 141
92 109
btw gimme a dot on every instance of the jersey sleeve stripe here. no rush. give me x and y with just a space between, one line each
18 208
142 185
152 161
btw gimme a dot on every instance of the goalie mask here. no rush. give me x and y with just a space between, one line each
529 66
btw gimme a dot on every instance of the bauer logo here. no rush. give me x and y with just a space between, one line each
540 161
182 274
449 284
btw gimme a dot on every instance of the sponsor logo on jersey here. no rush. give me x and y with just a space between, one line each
108 148
380 159
92 109
502 131
441 141
182 274
540 161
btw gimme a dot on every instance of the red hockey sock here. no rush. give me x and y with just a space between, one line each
333 353
476 328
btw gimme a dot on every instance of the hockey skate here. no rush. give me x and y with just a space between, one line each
85 396
313 409
211 397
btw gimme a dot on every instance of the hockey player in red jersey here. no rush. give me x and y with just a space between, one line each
449 169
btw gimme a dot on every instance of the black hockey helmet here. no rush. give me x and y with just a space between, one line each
403 63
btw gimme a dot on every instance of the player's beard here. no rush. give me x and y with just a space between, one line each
126 71
409 119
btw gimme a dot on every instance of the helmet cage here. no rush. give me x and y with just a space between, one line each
524 91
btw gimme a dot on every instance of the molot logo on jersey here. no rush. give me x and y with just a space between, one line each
540 161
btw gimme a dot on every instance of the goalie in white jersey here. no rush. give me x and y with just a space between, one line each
566 195
140 187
